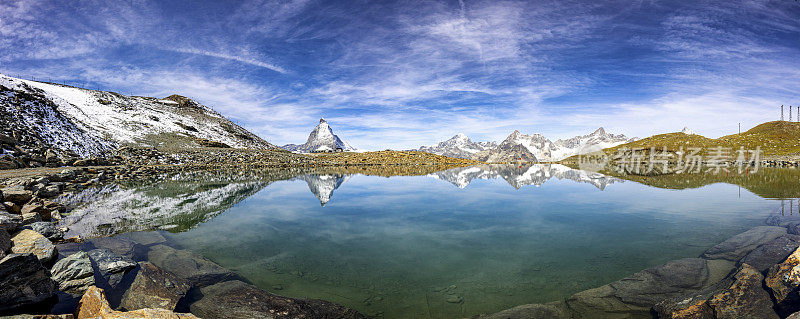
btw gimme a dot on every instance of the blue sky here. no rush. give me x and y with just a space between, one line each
408 73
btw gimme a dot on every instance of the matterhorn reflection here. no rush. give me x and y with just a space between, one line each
323 185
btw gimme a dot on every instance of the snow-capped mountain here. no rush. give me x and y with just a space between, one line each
537 148
459 146
687 131
321 139
89 122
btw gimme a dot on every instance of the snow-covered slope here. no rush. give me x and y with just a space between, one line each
687 131
459 146
536 147
321 139
89 122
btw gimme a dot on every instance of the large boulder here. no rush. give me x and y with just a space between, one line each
192 268
74 274
94 305
23 281
28 241
153 288
772 252
236 299
783 280
36 207
741 296
634 296
740 245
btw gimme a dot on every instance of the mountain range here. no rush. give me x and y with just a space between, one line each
88 122
321 139
528 148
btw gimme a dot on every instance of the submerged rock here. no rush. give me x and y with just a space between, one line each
740 245
236 299
635 295
109 262
28 241
771 253
93 304
23 281
553 310
193 268
74 273
154 288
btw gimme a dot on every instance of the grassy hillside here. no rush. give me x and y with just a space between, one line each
777 138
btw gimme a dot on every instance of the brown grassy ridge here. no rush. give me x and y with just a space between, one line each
776 139
391 158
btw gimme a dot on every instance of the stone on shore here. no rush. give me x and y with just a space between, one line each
196 270
16 194
740 245
635 295
94 305
236 299
74 274
153 288
10 222
23 281
783 280
28 241
771 253
47 229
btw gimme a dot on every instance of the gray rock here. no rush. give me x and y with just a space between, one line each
28 241
772 252
635 295
740 296
74 274
795 315
5 243
153 288
47 229
145 238
10 222
23 281
740 245
193 268
17 194
109 262
236 299
31 218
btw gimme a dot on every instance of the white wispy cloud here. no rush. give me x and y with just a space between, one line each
231 57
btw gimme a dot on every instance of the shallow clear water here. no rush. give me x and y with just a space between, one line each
422 247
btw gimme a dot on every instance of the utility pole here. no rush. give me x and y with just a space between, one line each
781 112
740 128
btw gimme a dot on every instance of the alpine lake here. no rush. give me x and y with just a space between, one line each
418 242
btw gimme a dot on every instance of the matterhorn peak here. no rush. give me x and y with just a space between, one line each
687 131
322 120
460 136
599 131
321 139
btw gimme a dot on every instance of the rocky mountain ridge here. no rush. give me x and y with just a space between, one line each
526 148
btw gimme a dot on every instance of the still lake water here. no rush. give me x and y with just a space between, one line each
450 244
